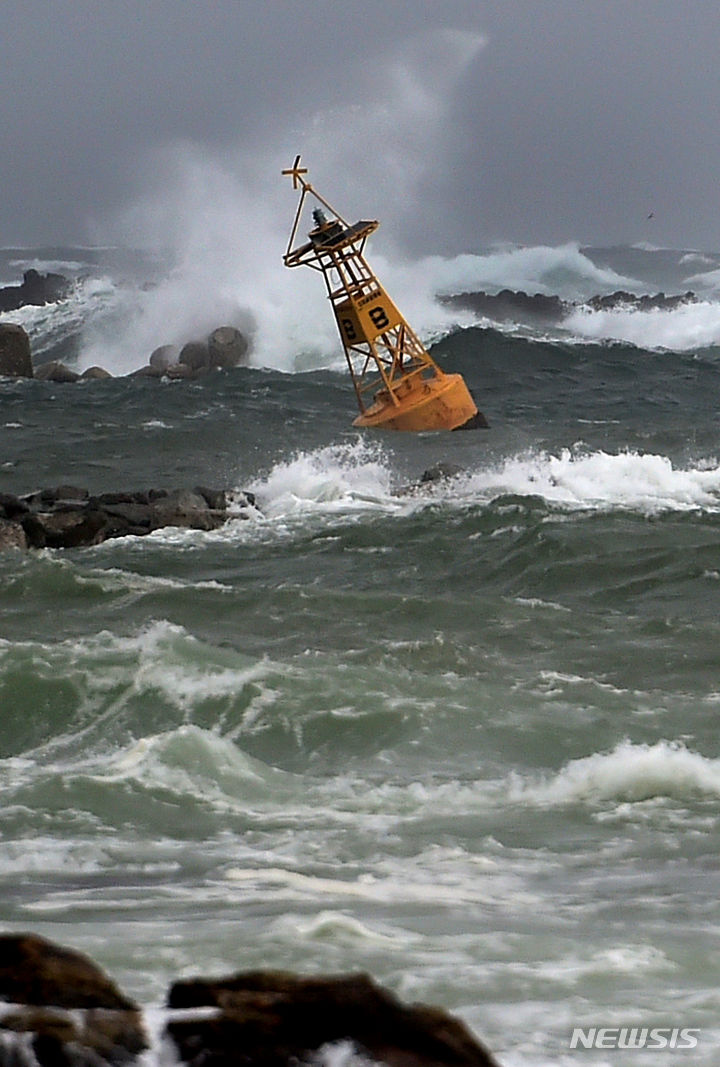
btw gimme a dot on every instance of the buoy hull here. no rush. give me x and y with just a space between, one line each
442 402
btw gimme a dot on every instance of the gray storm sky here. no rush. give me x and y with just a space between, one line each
535 121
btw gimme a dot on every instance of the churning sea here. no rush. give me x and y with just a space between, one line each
464 738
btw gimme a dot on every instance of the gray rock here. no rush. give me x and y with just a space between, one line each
54 371
441 472
183 370
95 373
182 507
227 347
15 359
195 355
163 357
147 372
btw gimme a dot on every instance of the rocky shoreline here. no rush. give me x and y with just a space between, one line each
71 517
62 1010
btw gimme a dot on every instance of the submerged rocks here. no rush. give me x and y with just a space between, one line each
70 517
15 359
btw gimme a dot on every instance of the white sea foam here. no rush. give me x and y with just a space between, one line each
680 329
631 772
353 476
646 482
563 270
357 478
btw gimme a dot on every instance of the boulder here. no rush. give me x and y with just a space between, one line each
275 1019
163 357
195 355
36 971
75 1016
54 371
147 372
95 374
183 507
183 370
227 347
15 359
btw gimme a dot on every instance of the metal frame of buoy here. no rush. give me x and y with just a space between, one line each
397 383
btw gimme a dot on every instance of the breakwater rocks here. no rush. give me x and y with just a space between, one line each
64 1011
224 347
70 517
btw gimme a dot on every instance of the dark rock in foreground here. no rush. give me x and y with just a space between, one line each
66 1012
275 1019
69 517
15 359
36 971
36 289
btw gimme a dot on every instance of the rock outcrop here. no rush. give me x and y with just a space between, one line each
36 289
518 306
66 1012
278 1019
70 517
15 359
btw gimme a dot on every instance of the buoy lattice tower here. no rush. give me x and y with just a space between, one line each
397 383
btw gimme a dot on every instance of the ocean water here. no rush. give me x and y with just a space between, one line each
462 736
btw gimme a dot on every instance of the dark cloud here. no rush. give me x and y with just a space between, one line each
574 121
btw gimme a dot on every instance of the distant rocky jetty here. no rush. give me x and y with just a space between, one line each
224 347
64 1011
70 517
35 289
512 305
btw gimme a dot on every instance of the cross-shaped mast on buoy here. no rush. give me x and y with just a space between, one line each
397 383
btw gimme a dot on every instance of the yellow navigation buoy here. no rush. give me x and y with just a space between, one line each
397 383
